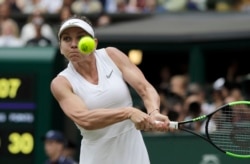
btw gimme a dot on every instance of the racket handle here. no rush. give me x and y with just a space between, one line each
172 124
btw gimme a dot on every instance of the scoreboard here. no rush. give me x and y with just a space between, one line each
25 102
17 116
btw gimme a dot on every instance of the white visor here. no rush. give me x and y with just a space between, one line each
76 23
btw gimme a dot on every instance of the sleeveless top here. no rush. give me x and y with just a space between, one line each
119 143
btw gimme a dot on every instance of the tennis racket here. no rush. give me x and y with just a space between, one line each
227 128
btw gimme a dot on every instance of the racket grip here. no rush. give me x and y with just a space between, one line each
173 124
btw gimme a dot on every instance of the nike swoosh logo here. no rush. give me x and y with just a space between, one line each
109 75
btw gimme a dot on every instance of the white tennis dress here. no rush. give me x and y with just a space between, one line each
120 143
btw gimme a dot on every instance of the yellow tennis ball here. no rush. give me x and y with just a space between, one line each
86 45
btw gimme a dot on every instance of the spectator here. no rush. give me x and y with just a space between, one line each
236 94
67 3
65 12
176 110
44 6
218 95
197 90
220 90
87 6
16 6
179 84
103 20
51 7
122 6
242 5
69 150
165 75
4 11
220 5
197 5
54 142
39 40
28 31
151 6
109 6
174 5
10 34
193 110
30 6
132 6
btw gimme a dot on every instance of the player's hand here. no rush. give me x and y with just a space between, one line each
141 120
160 122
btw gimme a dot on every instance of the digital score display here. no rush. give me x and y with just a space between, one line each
17 119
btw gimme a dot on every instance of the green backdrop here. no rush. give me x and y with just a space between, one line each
185 149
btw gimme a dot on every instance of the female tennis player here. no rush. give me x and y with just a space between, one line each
92 91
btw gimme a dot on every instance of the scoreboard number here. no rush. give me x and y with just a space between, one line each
9 87
21 143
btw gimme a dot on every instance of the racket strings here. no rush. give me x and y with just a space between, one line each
229 129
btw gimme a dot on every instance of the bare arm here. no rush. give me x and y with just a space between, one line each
135 78
78 112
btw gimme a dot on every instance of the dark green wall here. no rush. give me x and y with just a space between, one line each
185 149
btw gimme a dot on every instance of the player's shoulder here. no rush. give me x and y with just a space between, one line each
111 49
114 52
59 82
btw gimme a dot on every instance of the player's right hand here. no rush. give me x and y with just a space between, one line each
141 120
160 122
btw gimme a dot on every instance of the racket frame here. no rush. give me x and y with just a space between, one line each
177 125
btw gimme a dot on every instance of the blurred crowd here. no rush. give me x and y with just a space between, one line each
36 31
180 99
183 100
123 6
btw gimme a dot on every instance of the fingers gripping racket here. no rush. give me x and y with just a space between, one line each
227 128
